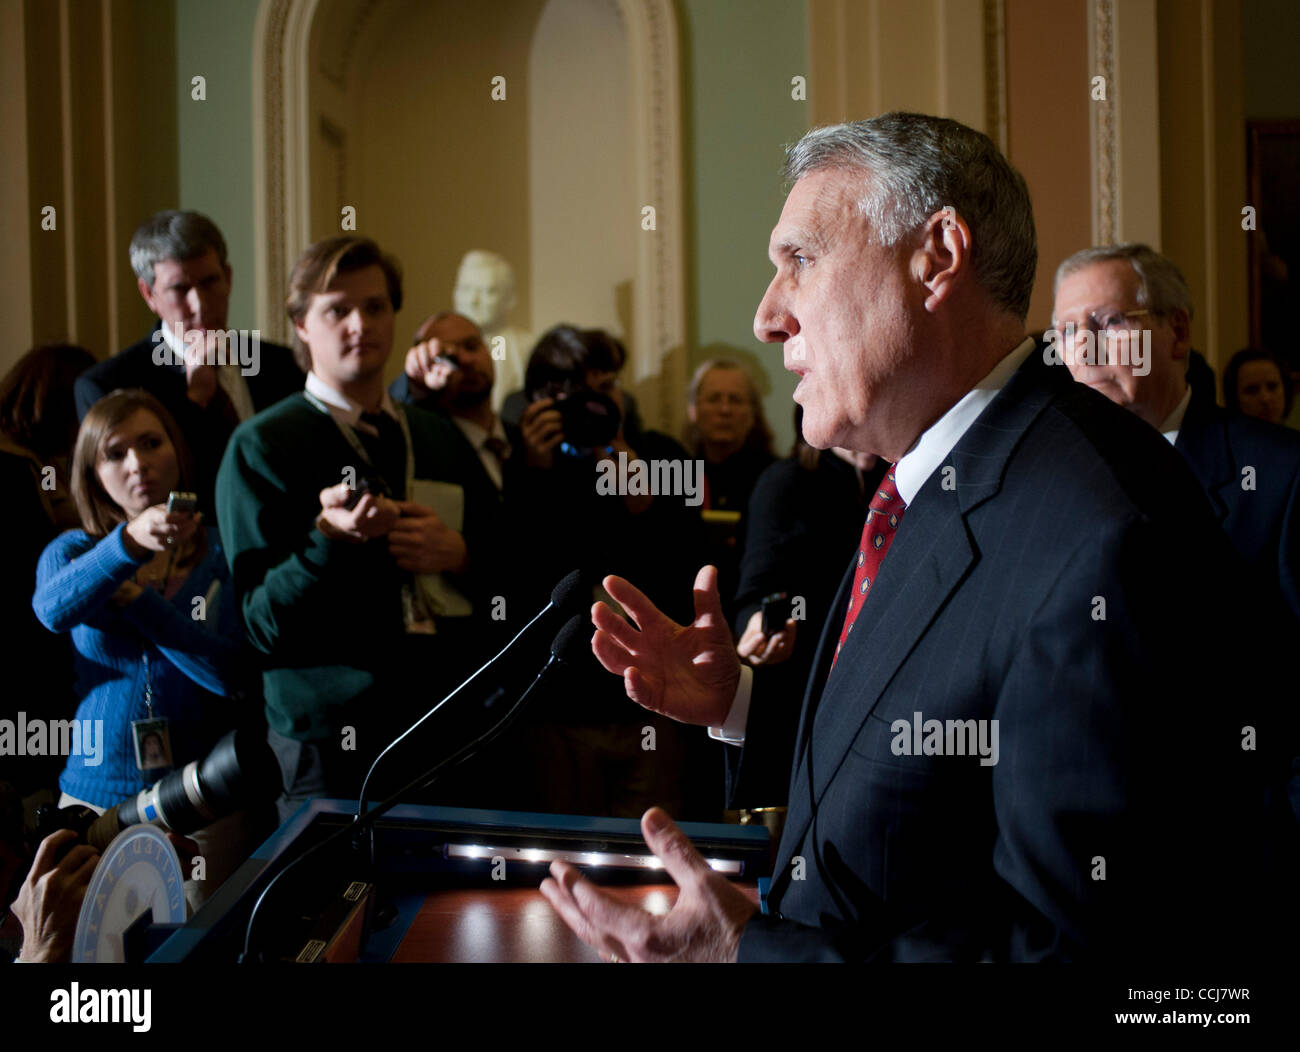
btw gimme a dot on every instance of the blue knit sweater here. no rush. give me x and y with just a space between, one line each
192 662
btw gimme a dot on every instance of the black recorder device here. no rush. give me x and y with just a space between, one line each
777 608
181 503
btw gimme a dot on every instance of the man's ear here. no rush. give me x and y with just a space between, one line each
690 413
1182 326
302 333
146 293
942 259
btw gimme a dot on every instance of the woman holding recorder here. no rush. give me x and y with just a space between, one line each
145 593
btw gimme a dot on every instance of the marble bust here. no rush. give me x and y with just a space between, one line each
485 294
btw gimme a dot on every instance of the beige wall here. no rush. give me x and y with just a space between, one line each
433 166
15 229
872 56
1048 130
1203 175
581 183
93 96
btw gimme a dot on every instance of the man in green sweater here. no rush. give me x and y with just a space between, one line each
350 582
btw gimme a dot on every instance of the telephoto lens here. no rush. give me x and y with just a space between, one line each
239 771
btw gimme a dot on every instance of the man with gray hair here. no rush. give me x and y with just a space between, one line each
209 378
1022 571
1122 320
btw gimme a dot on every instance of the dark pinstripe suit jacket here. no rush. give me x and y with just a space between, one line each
1052 585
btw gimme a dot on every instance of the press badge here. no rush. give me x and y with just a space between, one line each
153 745
415 612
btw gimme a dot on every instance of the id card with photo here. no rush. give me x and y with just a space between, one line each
153 745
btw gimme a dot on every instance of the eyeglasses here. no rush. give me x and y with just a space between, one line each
1106 319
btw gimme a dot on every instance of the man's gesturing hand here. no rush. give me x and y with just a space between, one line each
704 924
686 672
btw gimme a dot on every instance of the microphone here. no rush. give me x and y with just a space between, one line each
568 645
563 596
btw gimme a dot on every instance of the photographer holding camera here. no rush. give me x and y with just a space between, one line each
587 751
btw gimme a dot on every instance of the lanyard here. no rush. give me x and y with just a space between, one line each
148 685
360 449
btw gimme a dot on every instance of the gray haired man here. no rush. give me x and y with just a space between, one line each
1023 573
209 377
1132 307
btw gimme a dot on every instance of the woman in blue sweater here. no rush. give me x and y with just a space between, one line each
146 596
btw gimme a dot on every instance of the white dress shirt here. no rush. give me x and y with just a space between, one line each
1174 422
910 473
342 408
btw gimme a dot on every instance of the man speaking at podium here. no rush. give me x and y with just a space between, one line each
1004 752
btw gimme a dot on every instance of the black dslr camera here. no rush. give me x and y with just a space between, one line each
590 419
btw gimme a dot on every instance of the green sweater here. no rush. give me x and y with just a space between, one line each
326 613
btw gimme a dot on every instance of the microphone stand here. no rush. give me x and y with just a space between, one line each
561 595
364 822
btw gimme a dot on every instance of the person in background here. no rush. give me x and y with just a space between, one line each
1255 383
146 596
346 517
1250 471
449 369
208 377
512 409
585 749
38 422
727 429
38 426
804 521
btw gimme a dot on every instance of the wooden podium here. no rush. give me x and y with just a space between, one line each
448 885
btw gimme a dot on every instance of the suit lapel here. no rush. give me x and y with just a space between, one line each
928 559
1203 443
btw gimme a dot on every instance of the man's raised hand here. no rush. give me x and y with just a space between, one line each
687 672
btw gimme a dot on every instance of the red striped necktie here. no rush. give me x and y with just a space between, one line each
883 516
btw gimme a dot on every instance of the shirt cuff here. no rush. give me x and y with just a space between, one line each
732 731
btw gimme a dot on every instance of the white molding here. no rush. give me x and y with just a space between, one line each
1136 94
658 337
281 170
995 72
1101 62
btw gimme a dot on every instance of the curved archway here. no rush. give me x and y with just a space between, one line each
306 53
